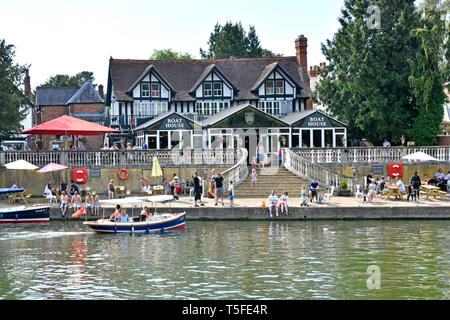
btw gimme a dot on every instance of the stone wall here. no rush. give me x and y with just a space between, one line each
35 182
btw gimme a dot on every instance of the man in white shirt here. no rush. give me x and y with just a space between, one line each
386 143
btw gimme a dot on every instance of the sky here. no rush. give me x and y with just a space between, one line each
67 37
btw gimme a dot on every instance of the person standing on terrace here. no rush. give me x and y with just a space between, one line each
111 189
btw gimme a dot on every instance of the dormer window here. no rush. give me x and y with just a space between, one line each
145 90
155 90
279 86
207 89
269 87
217 89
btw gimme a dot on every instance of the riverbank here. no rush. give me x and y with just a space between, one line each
338 208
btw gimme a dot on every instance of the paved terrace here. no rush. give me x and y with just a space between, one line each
250 209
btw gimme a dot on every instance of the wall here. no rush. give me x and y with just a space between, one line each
35 182
49 113
443 140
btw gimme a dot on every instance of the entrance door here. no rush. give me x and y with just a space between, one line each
247 146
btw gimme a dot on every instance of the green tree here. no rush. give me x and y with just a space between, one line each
168 54
13 102
65 80
427 77
366 83
232 41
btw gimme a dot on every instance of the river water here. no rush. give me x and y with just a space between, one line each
229 260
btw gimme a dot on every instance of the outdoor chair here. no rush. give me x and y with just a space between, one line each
327 196
358 192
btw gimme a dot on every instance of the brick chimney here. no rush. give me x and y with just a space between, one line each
301 45
313 72
100 90
27 85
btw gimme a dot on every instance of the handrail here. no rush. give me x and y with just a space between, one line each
309 170
125 158
239 172
356 155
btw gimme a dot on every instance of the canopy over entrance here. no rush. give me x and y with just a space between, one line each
67 125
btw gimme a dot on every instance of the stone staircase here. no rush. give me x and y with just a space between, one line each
270 178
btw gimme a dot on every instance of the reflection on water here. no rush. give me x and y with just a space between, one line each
228 260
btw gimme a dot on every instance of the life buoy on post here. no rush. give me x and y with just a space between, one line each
123 177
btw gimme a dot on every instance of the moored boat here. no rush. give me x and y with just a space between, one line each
24 214
159 222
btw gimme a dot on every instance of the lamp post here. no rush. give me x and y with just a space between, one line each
402 139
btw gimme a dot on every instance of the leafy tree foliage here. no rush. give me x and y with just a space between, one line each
13 103
232 41
168 54
65 80
367 83
427 78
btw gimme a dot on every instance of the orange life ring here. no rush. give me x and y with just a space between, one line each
123 177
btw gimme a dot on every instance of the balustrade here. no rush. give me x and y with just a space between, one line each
308 170
124 158
353 155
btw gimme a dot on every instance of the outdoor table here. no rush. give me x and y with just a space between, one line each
19 195
158 190
395 192
432 191
8 191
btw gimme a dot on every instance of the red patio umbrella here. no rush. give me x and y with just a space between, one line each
69 126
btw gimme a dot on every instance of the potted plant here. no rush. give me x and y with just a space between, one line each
344 191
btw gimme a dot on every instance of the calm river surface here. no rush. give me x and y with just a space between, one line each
228 260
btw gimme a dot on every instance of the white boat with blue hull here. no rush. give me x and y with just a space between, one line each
22 214
159 222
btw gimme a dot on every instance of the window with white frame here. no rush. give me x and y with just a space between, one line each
206 109
207 89
217 88
155 89
213 108
145 90
269 87
279 85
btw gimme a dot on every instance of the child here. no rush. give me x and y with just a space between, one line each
273 201
303 197
283 203
231 193
254 179
254 163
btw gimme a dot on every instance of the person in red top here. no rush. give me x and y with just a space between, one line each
116 215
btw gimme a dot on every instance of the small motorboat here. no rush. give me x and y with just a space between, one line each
160 222
22 214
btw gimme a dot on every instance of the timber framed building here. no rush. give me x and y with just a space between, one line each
197 103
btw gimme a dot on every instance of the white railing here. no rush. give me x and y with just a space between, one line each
305 169
125 158
238 172
369 154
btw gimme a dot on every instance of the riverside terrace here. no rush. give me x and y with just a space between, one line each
337 208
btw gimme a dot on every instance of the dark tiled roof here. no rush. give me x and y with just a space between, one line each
52 96
60 96
182 75
225 113
86 94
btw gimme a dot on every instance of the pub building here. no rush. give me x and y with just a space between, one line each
208 103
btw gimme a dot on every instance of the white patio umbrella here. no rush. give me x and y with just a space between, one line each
419 156
20 165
